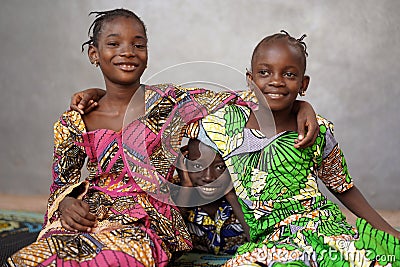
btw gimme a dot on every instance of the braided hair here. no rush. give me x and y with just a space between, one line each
297 43
105 16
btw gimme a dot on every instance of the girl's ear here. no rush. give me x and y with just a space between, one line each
304 85
249 75
249 78
93 55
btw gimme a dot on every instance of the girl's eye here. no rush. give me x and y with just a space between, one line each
263 73
197 166
221 167
112 44
289 75
140 46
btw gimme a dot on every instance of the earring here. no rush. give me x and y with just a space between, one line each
96 63
302 93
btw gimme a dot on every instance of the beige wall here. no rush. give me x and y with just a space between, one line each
353 63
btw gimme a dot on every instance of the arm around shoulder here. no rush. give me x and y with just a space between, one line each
86 100
307 124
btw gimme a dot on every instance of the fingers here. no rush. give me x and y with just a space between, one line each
82 102
76 217
185 150
77 224
180 163
75 100
91 105
182 170
185 179
67 227
309 139
85 104
301 129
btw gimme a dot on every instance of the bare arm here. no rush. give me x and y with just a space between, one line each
237 209
356 203
85 101
307 124
185 182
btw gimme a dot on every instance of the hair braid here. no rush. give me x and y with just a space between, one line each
298 43
104 16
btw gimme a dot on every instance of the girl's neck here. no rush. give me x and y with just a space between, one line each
112 108
119 96
212 208
285 121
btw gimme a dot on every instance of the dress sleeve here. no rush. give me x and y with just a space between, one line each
68 160
333 170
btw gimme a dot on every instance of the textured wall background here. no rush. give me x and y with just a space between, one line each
353 64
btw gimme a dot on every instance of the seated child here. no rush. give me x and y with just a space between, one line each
210 206
291 222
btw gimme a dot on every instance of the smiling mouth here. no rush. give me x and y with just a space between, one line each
208 189
127 67
274 95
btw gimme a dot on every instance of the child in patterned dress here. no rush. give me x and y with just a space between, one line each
208 202
108 218
291 222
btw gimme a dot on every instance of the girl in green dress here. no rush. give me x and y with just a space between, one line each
291 222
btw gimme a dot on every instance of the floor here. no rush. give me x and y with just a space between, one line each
38 204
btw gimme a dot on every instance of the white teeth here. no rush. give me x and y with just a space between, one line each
127 67
209 189
275 95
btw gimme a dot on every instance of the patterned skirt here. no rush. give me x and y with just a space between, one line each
307 246
135 231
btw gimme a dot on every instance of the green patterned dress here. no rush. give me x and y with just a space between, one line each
291 222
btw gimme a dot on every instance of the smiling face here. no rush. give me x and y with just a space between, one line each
207 171
278 71
121 51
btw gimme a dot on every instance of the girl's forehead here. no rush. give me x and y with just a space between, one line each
280 48
122 24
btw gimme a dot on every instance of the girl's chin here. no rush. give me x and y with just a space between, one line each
210 194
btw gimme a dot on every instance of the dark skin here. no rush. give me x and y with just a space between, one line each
308 129
206 169
278 74
122 55
106 109
75 215
278 71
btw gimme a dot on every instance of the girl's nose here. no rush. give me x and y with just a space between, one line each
208 175
276 80
127 50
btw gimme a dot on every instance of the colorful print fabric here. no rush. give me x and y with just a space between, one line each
221 234
134 228
291 222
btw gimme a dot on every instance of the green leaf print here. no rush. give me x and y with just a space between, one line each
378 244
286 164
235 120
